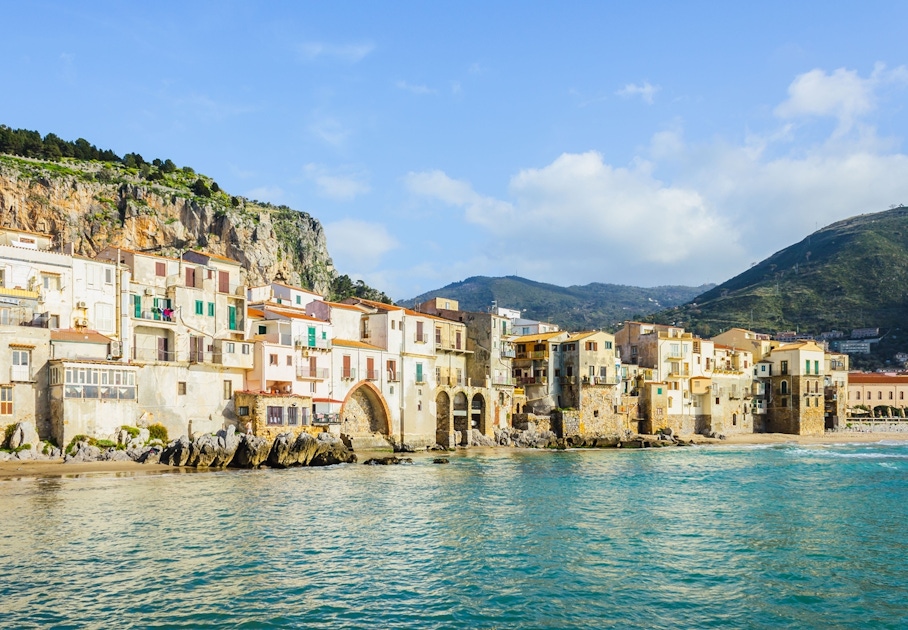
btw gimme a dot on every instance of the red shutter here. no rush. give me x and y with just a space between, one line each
223 282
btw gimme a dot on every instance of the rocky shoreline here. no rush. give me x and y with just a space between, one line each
229 449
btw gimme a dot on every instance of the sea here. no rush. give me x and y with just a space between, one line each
780 536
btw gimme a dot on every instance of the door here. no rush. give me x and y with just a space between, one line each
370 369
310 341
231 315
190 276
223 282
162 349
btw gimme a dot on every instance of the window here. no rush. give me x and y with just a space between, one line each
784 367
199 307
393 325
857 395
211 309
275 415
816 367
784 387
901 395
392 370
6 401
293 415
263 330
659 391
108 276
181 388
160 269
879 395
51 282
591 346
243 410
419 333
289 360
104 317
229 347
245 347
190 276
807 366
272 359
228 390
299 299
419 377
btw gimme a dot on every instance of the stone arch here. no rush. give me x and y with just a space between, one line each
444 427
462 417
365 411
478 413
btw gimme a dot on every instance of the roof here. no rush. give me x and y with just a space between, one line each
292 313
134 252
350 343
41 234
588 333
799 344
349 307
79 336
378 305
255 312
866 378
539 336
327 400
290 286
215 256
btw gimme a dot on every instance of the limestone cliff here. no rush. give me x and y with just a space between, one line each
93 205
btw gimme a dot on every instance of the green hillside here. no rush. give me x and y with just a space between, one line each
851 274
585 307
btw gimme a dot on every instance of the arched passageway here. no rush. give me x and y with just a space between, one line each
444 429
462 418
365 412
478 413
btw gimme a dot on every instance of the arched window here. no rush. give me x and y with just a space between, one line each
784 389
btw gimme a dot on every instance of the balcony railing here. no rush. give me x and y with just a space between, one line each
424 338
533 380
321 344
503 380
508 353
326 418
150 354
393 376
535 354
156 315
348 374
307 372
20 373
200 357
372 375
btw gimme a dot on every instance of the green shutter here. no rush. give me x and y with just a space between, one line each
137 306
816 367
311 339
199 307
231 314
211 309
419 372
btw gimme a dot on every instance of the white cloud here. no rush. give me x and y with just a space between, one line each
414 88
842 94
351 53
330 131
358 245
343 186
645 91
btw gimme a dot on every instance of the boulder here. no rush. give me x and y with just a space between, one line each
251 452
306 450
123 437
177 453
144 435
149 455
5 457
478 439
387 461
24 433
441 460
115 455
83 452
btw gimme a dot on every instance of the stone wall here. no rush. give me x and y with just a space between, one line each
258 414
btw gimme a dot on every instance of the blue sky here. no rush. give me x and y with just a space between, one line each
569 142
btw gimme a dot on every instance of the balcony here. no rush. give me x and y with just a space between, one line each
508 353
196 356
21 373
535 354
151 355
348 374
533 380
307 372
326 418
393 376
372 375
156 315
424 338
567 380
503 380
320 344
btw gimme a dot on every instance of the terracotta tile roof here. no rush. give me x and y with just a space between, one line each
350 343
290 286
349 307
865 378
216 257
79 336
255 312
292 313
539 336
379 305
327 400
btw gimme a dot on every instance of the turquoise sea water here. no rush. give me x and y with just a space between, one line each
740 537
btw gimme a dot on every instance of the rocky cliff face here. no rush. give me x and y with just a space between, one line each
93 205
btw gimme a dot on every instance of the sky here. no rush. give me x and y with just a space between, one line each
641 143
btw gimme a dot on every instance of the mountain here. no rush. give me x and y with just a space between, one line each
850 274
585 307
98 199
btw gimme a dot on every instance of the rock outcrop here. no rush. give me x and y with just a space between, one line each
92 206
